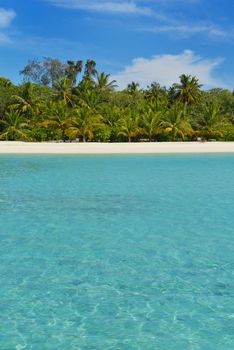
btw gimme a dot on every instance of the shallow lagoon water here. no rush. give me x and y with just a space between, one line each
117 252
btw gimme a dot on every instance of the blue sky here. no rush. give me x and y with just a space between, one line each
134 40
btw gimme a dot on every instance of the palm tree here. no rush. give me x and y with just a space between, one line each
133 88
56 116
129 125
151 123
84 122
188 90
63 91
6 83
111 114
212 121
15 126
90 70
87 95
175 122
103 82
73 69
20 104
156 93
26 102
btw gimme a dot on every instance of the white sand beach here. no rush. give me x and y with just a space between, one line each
10 147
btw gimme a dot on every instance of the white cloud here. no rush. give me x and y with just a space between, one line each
166 70
6 17
112 6
185 30
166 22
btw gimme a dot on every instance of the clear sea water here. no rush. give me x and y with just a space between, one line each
117 252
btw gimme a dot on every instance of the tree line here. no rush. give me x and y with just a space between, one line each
72 101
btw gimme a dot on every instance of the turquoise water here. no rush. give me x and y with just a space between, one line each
117 252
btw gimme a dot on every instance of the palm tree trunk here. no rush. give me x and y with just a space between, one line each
63 135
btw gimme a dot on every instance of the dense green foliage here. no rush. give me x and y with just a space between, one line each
72 101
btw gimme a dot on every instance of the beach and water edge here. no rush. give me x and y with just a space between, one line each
15 147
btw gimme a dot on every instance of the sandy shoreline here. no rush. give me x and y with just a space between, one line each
8 147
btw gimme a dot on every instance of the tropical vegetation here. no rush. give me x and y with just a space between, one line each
72 101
